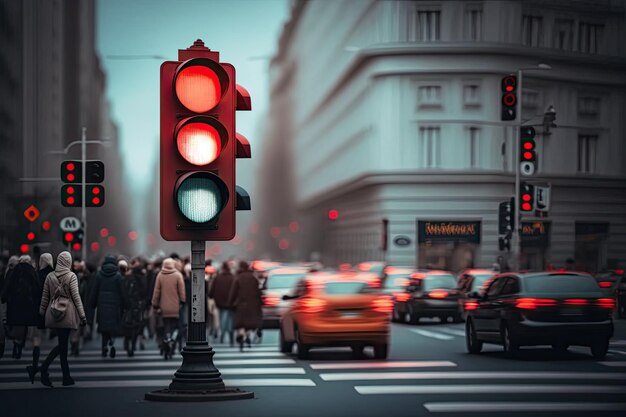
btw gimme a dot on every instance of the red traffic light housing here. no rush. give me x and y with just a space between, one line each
527 198
509 97
199 144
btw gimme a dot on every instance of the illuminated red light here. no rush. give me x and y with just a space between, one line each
605 302
46 225
575 302
526 206
70 190
112 241
528 145
95 190
95 247
402 296
526 197
69 236
271 301
528 155
104 232
198 88
470 305
382 305
70 177
76 246
283 244
70 200
294 227
132 235
24 248
438 294
509 88
30 236
95 200
70 167
605 284
199 143
333 214
533 303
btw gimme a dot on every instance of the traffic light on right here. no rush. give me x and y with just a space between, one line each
509 97
527 198
199 144
95 195
528 151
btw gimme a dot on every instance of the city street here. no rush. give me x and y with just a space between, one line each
428 372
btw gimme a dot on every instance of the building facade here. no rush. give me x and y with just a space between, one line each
391 113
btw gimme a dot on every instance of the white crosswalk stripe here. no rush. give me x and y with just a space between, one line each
433 335
491 389
368 376
484 407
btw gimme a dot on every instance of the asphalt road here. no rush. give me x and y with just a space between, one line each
428 373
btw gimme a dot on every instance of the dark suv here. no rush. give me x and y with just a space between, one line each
545 308
428 294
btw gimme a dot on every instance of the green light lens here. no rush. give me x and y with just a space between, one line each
199 199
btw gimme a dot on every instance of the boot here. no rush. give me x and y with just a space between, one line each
1 349
45 378
68 381
240 341
32 371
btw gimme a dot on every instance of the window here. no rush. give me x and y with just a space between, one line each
474 146
563 34
589 37
473 24
495 287
471 95
532 31
427 27
429 96
587 153
511 287
429 146
589 106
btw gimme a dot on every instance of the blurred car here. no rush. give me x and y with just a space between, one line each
620 297
428 294
544 308
336 310
609 280
469 284
279 281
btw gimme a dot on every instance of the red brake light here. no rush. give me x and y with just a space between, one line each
471 305
619 271
402 296
373 282
382 305
575 302
312 305
438 294
533 303
605 284
605 303
271 301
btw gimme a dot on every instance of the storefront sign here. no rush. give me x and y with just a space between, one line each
448 231
536 234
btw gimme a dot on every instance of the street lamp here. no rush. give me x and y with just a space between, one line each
516 238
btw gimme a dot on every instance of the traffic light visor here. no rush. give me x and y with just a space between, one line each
199 142
199 84
201 196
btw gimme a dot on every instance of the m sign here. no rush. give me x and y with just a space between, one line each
70 224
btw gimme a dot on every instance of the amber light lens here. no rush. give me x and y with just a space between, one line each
199 143
382 305
198 88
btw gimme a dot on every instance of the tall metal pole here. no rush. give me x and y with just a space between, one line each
83 209
517 230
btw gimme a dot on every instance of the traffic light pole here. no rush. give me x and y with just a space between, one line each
83 209
517 225
197 379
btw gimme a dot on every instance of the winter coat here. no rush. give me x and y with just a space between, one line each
220 289
107 297
64 278
22 293
45 267
246 298
169 290
135 297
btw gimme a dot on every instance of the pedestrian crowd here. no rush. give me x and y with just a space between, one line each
134 299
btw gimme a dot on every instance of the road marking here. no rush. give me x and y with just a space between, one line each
617 352
365 376
479 407
249 382
166 372
617 342
433 335
453 331
613 363
176 359
490 389
375 365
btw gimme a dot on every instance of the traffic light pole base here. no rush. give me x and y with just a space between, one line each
198 379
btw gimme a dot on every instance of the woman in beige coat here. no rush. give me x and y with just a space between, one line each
67 283
169 293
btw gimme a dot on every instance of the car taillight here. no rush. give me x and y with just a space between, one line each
533 303
401 282
605 284
575 302
605 303
438 294
312 305
471 305
271 301
382 305
374 282
402 296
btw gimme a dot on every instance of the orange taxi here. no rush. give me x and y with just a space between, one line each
338 309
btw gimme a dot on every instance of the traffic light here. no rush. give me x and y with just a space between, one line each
94 172
71 195
199 144
95 195
71 172
528 151
74 239
506 218
509 97
527 198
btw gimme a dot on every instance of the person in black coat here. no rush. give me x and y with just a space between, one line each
108 298
21 294
135 297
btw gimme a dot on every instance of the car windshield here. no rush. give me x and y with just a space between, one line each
396 281
346 288
283 281
479 280
439 281
560 283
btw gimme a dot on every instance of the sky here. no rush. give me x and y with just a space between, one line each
245 32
